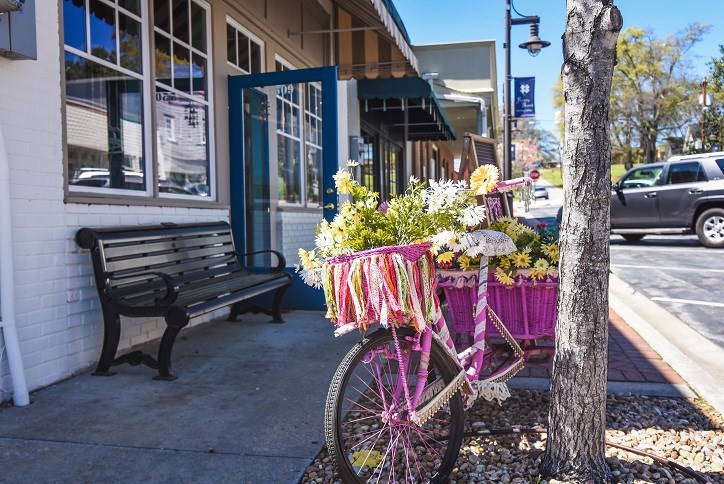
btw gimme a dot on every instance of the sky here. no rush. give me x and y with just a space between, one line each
436 21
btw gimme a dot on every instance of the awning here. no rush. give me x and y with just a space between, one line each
371 41
425 118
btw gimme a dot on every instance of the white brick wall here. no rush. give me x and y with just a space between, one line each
57 337
296 230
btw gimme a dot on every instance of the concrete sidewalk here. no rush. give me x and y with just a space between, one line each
247 407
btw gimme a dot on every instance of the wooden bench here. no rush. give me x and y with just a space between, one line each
177 271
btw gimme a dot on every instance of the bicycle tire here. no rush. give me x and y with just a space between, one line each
444 447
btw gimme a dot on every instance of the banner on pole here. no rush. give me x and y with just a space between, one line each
525 97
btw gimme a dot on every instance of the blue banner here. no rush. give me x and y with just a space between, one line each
524 97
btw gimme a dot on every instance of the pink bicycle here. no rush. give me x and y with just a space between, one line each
394 411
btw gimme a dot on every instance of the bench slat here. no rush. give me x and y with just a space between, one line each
145 263
113 252
139 285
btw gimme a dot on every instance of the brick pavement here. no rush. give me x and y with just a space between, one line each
630 358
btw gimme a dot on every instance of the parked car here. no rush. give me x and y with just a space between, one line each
681 196
100 178
540 192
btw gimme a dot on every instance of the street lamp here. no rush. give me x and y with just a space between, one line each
533 46
705 102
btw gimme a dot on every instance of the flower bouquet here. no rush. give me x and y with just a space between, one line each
374 260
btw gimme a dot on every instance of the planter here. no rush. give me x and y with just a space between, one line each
527 308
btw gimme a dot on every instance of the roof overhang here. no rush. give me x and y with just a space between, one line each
425 118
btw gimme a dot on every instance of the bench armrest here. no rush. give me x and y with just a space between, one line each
281 260
172 287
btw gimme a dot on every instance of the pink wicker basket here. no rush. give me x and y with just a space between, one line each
528 308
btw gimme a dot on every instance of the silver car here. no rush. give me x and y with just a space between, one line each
681 196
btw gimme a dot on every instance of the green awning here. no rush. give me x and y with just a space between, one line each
426 119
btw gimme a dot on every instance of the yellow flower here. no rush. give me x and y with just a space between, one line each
540 269
445 257
307 259
343 182
504 262
521 259
503 277
484 179
466 262
551 250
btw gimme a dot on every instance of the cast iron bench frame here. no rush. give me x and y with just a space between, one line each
174 271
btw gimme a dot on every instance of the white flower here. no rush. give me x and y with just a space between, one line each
473 215
443 238
414 180
352 163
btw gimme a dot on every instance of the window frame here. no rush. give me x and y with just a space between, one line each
147 77
252 38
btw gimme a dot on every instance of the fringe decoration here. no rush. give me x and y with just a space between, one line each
488 390
386 285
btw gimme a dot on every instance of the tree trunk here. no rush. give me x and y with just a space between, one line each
577 416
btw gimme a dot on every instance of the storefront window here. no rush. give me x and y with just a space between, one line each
104 98
313 146
244 51
105 83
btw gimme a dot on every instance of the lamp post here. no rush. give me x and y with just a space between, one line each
533 45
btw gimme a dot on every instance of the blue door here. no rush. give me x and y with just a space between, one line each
283 143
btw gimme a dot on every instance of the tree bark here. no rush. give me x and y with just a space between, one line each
577 416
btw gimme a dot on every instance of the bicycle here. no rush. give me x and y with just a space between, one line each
394 410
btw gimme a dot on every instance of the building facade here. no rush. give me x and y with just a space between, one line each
125 119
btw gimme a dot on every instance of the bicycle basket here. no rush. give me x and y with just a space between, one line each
393 284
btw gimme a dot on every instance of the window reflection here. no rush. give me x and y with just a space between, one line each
104 119
183 162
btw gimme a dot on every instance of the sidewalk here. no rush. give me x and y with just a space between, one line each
247 407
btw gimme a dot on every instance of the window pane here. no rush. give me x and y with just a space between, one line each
183 162
130 41
198 75
289 169
181 67
161 10
74 24
243 52
163 58
181 20
133 6
198 27
255 57
231 44
104 122
103 31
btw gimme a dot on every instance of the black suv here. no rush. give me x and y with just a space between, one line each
681 196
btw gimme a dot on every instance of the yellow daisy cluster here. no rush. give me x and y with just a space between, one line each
537 253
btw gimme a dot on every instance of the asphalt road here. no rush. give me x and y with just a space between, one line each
676 272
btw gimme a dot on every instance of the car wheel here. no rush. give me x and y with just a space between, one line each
710 228
632 237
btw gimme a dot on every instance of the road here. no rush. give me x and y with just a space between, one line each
676 272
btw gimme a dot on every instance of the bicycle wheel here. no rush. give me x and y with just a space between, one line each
369 433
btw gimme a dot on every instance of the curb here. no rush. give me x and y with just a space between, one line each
675 390
696 359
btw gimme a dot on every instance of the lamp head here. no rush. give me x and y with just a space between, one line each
534 44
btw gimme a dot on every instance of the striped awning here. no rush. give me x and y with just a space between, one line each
371 41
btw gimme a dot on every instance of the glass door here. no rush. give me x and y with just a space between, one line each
283 139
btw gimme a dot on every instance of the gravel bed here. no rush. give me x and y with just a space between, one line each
686 431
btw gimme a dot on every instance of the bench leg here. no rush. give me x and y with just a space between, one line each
164 353
234 313
111 336
277 305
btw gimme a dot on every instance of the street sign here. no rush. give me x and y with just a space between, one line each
534 174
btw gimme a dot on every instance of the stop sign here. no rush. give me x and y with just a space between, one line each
534 174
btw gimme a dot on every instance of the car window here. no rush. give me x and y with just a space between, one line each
720 163
685 173
642 177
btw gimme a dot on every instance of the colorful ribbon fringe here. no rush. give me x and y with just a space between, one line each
385 285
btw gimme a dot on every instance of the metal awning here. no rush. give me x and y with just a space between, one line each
407 97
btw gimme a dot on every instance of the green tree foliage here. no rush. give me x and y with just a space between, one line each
654 91
714 129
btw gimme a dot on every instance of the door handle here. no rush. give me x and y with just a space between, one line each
694 191
651 195
329 206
